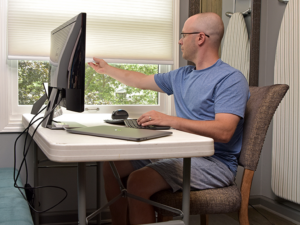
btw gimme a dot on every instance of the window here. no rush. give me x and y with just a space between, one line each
100 89
19 92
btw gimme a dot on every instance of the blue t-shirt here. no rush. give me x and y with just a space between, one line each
200 94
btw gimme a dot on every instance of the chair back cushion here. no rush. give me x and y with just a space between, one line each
260 109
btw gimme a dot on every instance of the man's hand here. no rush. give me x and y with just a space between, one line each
99 66
154 118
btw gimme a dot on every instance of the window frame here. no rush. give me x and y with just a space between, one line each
11 112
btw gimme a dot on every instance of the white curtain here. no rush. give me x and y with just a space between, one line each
121 30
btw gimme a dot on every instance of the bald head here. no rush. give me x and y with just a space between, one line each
209 23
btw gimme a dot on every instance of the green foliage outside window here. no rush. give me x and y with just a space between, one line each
100 89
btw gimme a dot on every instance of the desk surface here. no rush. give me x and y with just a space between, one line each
60 146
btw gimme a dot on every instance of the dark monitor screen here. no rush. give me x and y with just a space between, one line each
67 66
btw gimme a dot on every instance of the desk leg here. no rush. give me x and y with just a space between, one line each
99 174
36 184
81 173
186 190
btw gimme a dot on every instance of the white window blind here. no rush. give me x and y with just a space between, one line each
120 30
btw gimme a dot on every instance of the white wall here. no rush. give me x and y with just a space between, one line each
7 141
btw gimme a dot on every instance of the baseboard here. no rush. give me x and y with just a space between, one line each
66 217
280 207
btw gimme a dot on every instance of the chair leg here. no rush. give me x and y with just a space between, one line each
245 194
204 219
161 218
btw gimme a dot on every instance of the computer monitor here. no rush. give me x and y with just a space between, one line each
67 67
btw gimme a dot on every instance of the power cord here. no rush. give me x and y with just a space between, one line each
24 151
28 189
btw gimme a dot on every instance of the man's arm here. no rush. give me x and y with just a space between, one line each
130 78
221 129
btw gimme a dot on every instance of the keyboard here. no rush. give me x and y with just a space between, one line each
132 123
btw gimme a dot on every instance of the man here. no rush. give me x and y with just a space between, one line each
210 100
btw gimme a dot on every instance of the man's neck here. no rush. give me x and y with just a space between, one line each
206 60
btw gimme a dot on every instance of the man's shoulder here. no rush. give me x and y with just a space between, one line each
226 71
226 67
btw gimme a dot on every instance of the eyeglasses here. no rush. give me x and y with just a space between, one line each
182 35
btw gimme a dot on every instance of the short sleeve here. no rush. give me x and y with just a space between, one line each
164 82
231 94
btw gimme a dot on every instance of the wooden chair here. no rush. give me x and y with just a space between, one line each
260 109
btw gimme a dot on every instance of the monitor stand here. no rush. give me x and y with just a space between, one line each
38 105
54 99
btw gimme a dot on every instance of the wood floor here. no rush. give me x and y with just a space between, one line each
258 216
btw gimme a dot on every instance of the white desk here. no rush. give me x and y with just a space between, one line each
60 146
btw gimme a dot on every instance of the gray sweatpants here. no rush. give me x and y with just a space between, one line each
206 172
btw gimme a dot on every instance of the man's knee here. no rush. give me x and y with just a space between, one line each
134 183
124 168
145 182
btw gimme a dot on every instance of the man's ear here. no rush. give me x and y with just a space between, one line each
201 39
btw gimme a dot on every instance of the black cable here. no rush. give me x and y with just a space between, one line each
261 214
25 143
26 188
25 151
25 130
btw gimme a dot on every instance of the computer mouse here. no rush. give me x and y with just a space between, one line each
119 114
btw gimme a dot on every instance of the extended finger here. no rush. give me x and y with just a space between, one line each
93 65
97 60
